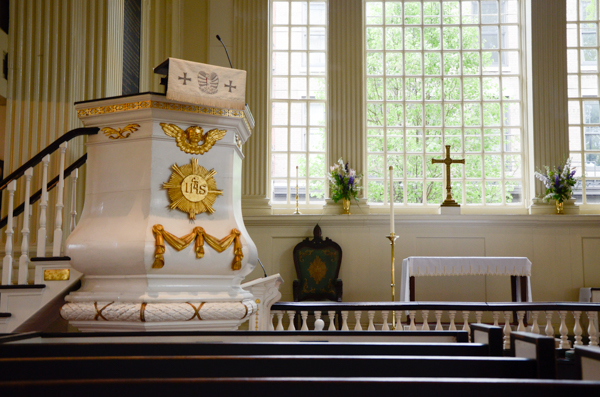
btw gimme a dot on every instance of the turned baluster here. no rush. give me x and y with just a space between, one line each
507 330
291 315
371 316
331 315
520 317
563 330
7 263
577 330
384 317
270 326
411 314
345 321
535 328
357 326
478 316
496 317
425 315
592 331
279 321
304 315
398 326
41 234
58 219
549 328
24 259
452 314
438 320
466 327
317 315
74 176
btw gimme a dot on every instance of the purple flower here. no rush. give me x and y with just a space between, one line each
351 181
556 181
347 169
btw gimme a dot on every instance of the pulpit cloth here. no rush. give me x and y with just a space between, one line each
462 266
206 85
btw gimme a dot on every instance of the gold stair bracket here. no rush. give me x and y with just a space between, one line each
199 236
57 274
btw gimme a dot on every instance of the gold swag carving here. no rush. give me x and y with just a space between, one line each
199 236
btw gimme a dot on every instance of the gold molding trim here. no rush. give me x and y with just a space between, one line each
149 104
57 274
126 132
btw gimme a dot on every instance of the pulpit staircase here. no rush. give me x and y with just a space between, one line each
31 296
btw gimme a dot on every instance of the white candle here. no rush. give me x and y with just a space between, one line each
391 200
296 178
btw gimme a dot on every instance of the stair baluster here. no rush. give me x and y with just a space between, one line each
73 200
57 244
41 233
24 259
7 263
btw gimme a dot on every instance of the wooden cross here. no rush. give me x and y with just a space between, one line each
449 202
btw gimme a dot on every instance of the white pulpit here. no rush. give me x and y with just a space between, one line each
516 267
161 239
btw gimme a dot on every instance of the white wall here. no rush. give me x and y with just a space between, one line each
564 251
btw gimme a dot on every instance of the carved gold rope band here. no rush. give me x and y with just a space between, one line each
199 236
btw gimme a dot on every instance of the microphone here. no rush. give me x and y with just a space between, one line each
261 265
230 65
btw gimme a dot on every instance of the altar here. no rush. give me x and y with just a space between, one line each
519 268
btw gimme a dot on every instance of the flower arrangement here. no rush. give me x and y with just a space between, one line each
559 183
344 181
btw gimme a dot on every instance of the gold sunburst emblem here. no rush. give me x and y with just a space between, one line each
192 189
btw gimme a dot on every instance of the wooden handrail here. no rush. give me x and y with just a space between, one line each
48 150
37 195
422 305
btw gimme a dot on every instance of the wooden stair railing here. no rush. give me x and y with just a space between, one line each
9 184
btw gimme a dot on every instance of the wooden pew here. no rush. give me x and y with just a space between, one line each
242 336
302 387
587 361
537 347
64 345
244 349
47 368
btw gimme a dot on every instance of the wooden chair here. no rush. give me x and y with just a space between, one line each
317 264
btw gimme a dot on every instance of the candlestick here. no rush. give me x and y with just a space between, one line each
297 212
392 229
392 237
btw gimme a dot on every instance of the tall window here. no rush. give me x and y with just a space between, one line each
584 115
444 73
298 122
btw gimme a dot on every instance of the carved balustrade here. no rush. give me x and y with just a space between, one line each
571 323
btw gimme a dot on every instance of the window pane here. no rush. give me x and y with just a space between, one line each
446 73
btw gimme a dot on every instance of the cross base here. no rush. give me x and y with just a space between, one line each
450 203
449 210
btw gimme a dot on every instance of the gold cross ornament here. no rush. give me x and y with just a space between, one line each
449 202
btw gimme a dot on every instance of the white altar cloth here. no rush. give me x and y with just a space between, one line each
462 266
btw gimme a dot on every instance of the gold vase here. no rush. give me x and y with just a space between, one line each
345 207
560 208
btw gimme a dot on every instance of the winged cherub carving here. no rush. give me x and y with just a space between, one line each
188 140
